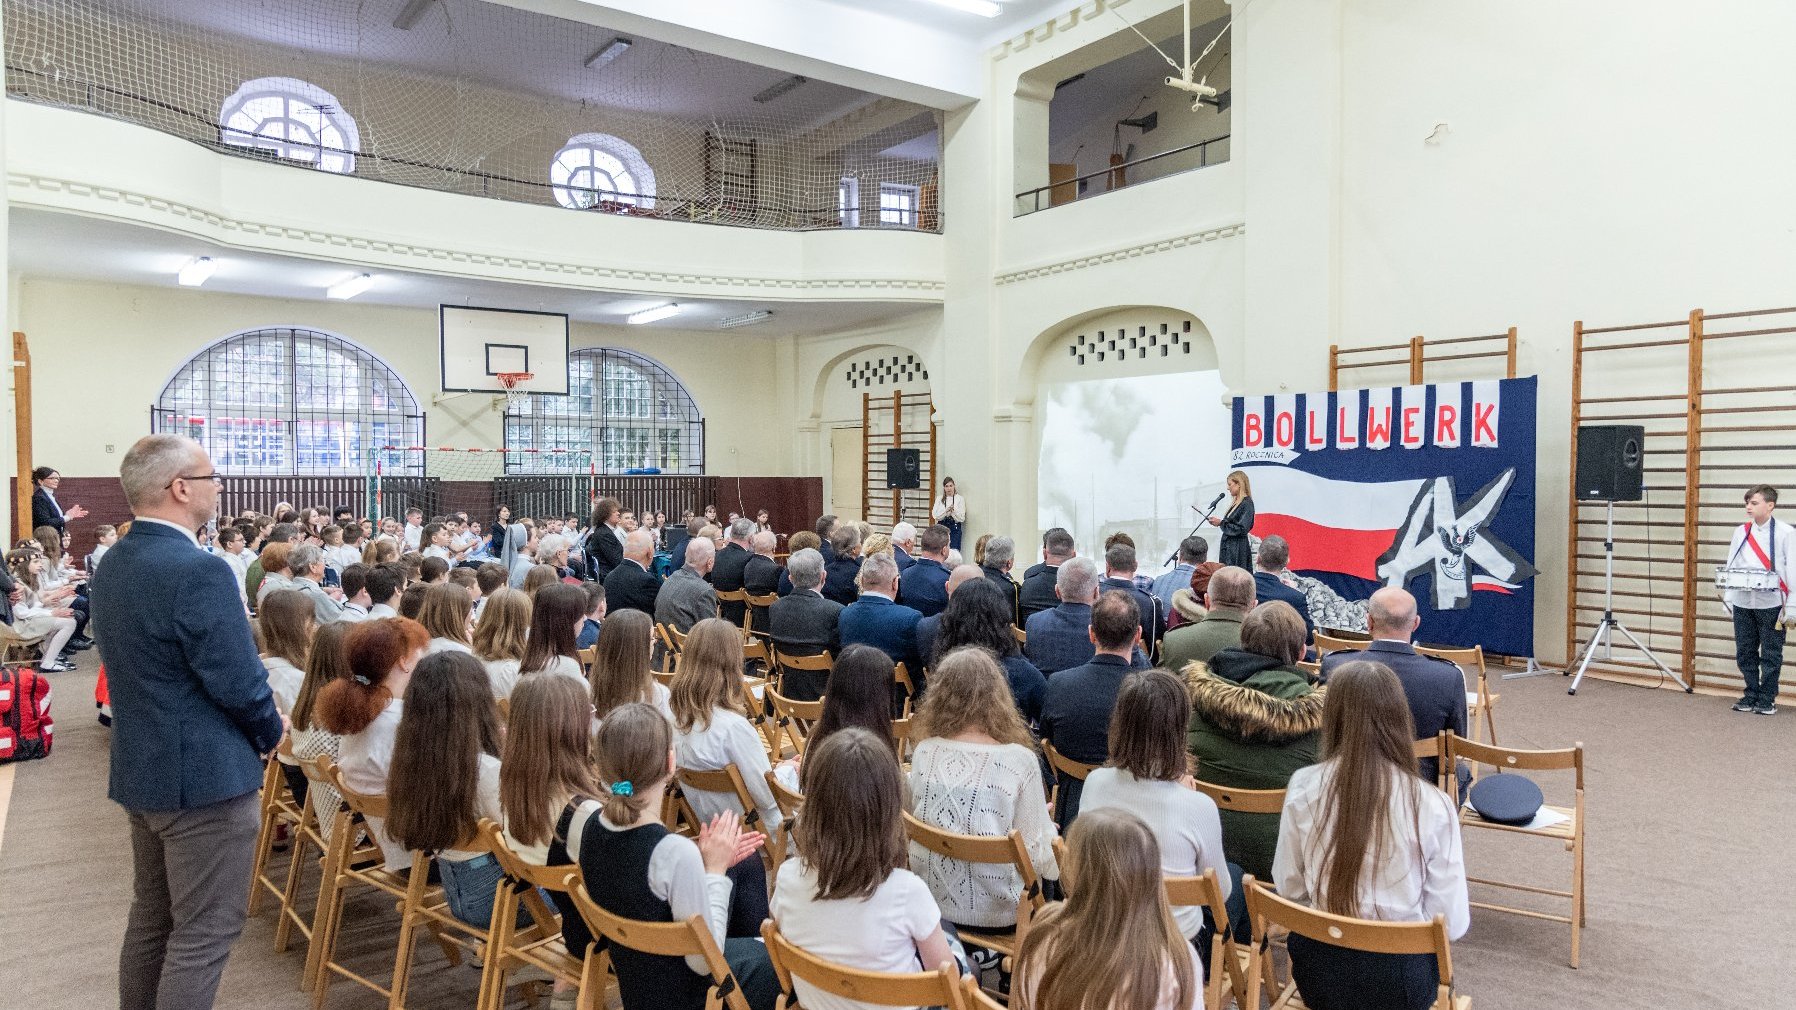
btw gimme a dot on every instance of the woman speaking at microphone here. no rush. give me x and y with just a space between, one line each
1236 523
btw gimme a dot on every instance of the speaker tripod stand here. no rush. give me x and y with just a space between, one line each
1601 634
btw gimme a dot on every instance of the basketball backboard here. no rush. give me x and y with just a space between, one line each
477 344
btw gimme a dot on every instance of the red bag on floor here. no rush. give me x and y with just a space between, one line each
25 722
103 698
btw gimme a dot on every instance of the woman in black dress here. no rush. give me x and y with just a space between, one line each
1236 523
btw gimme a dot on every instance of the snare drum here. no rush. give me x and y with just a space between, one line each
1747 579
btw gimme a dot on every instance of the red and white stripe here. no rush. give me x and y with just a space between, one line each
1337 526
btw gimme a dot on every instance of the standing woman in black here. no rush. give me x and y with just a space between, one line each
45 509
1236 523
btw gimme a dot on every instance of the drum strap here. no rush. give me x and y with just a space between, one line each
1765 559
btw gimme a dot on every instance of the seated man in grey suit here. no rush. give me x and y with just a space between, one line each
804 623
686 598
1230 598
1435 688
1060 639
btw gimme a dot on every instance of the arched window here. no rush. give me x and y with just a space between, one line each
594 169
631 412
294 119
289 401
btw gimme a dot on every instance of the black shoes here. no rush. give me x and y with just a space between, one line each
1743 706
81 644
1765 710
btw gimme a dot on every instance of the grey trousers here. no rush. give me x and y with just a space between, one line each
192 870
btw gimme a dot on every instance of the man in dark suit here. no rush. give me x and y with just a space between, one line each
1434 688
686 598
924 587
1000 555
931 625
761 575
803 623
726 574
45 509
1060 639
1037 593
843 566
1075 712
1119 574
877 619
192 719
631 586
604 551
904 546
1273 559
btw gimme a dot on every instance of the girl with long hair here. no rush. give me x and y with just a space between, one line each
1146 776
38 612
546 783
858 694
380 551
501 637
1363 835
975 772
1113 942
710 730
556 614
1236 522
284 625
539 576
365 709
981 615
327 661
445 777
846 896
445 615
620 669
634 867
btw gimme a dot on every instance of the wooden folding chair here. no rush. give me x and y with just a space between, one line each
734 596
1063 765
1246 801
588 656
1569 831
539 944
1266 909
419 910
316 832
671 643
1436 747
14 646
1021 636
788 799
785 662
1006 850
901 740
727 779
279 810
666 939
760 604
1338 641
901 677
792 720
939 988
1480 703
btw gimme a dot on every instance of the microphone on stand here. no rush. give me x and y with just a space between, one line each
1220 495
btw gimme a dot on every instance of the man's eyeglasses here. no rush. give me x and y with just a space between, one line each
215 478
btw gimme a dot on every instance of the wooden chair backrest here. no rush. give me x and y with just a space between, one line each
1021 636
515 866
901 736
589 656
1266 908
754 648
939 988
732 596
1205 891
822 662
361 803
1246 801
1339 641
1512 759
762 601
795 718
1466 659
901 676
1065 765
727 779
788 800
666 939
990 850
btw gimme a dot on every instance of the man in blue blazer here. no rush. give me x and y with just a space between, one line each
924 585
1060 639
1274 557
877 619
192 719
904 546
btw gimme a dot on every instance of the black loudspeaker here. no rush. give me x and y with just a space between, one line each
1610 458
903 467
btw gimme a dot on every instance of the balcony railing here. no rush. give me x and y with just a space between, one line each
1173 162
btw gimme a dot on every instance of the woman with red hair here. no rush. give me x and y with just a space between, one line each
364 710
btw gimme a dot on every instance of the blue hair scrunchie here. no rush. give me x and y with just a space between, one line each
622 789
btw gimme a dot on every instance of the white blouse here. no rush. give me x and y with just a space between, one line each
729 739
504 675
1421 876
956 507
562 666
1184 821
366 758
980 789
876 933
445 645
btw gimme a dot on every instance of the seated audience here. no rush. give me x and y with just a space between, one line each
931 625
877 619
620 666
1111 943
519 553
1363 836
727 572
602 554
845 896
445 615
860 694
489 578
842 569
1193 551
1060 639
634 867
1269 567
327 661
1229 599
802 540
804 623
36 613
445 778
710 730
595 614
924 587
1000 556
274 570
686 598
364 711
284 626
1037 591
555 618
412 600
904 545
354 582
631 585
279 533
501 636
552 551
1255 720
975 772
1076 710
978 614
538 577
761 575
306 563
384 582
1119 575
432 570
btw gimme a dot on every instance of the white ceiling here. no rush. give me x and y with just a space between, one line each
49 244
1018 16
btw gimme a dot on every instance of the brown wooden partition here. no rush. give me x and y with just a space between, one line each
1417 353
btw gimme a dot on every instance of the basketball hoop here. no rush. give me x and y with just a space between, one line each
514 397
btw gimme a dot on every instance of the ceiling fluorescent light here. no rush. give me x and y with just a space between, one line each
196 271
983 8
608 52
344 290
779 89
412 13
745 319
650 315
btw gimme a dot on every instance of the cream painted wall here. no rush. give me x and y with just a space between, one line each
116 346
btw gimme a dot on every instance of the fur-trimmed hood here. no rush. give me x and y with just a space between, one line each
1273 706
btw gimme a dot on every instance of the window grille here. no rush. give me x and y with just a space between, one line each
296 120
630 411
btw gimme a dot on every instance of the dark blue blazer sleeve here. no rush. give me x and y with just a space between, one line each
222 654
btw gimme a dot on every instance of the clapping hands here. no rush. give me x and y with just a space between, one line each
722 842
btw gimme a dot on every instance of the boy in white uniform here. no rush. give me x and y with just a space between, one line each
1760 614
